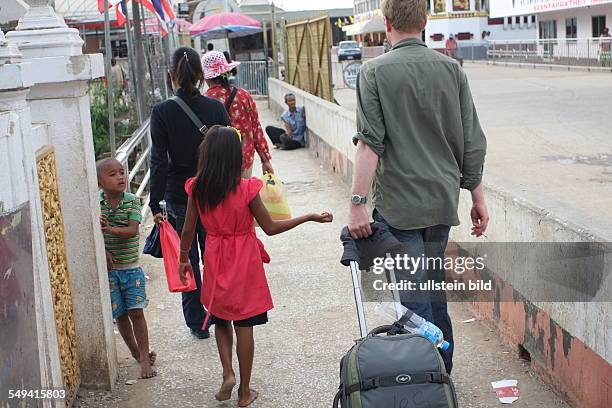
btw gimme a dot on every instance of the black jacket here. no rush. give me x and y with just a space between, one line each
174 154
364 250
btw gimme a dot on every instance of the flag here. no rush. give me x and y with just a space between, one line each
156 7
111 3
169 12
121 11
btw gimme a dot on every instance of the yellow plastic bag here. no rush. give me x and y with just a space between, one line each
273 196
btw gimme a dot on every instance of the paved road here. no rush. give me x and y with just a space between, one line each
312 326
550 138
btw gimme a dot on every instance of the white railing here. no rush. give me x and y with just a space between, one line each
253 76
134 154
590 53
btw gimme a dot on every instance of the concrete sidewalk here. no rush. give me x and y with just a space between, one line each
313 324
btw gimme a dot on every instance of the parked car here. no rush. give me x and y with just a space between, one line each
349 50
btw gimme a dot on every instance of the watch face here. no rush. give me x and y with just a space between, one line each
356 199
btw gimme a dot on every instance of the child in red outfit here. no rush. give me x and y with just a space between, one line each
236 289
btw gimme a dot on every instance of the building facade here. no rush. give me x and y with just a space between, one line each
468 21
582 19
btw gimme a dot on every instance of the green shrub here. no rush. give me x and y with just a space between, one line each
125 121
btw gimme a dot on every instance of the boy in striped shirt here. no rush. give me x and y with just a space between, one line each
120 219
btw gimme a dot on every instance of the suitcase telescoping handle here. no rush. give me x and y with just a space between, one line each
363 329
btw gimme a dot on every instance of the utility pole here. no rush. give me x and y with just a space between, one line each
133 69
109 80
264 26
147 54
274 43
140 63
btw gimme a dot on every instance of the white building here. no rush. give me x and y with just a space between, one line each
467 20
561 19
472 26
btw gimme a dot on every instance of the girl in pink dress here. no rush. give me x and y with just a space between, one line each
235 288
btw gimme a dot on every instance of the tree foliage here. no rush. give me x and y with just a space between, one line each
125 121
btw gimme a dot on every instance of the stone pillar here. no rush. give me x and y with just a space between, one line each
18 185
59 100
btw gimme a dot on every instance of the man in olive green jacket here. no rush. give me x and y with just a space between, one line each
418 142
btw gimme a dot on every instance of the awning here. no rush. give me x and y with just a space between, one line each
373 25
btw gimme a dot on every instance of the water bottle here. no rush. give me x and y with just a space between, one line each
392 312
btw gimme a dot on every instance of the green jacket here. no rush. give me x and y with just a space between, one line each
415 110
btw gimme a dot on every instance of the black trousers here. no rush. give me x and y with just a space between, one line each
278 136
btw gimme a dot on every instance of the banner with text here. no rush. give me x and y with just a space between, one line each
506 8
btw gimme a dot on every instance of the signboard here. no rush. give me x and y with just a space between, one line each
439 6
461 5
183 10
350 73
506 8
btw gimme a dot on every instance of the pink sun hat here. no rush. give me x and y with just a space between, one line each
215 64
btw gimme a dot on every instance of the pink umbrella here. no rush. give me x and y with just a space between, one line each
225 24
183 24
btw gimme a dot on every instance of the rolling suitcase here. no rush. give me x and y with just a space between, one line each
390 368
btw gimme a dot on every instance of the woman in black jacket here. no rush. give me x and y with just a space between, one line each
174 158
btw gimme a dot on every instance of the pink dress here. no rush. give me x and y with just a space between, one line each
234 285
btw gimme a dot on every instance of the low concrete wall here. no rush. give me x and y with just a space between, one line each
570 343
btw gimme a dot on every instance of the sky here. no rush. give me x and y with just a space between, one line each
291 5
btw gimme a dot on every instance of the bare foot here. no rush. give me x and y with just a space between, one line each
246 400
146 371
225 392
152 357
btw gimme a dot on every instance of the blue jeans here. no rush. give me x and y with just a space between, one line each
430 305
192 306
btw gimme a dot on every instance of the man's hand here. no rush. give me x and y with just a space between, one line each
359 222
110 261
184 269
479 212
266 167
158 218
480 218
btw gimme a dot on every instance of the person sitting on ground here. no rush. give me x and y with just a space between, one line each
236 289
120 219
294 119
241 108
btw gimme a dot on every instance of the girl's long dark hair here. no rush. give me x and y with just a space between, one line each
219 167
187 69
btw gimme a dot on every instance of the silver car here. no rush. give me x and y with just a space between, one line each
349 50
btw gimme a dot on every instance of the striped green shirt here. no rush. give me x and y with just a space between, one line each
124 250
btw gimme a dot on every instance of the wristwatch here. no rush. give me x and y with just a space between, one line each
356 199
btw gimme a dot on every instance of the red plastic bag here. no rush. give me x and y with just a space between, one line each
171 248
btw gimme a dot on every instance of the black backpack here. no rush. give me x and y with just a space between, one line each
387 369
